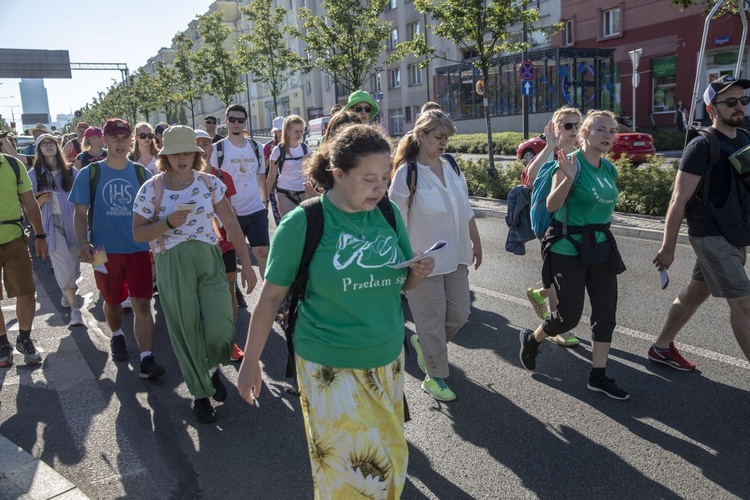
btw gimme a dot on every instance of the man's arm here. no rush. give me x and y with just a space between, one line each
31 207
684 188
81 223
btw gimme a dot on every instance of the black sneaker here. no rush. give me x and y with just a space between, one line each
607 386
119 349
241 303
204 412
30 355
6 355
221 390
149 368
529 349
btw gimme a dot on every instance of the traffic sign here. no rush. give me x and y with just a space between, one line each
527 88
527 70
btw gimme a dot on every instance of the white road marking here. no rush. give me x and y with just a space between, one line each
715 356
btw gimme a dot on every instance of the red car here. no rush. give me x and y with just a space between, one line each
636 145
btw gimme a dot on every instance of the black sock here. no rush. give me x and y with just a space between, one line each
597 374
23 335
4 339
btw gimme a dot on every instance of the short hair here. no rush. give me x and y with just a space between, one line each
211 117
160 128
236 107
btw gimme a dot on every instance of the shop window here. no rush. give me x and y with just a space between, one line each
664 73
611 22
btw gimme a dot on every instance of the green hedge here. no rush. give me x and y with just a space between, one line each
645 190
506 143
668 139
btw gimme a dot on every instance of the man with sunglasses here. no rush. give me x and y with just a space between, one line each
243 159
720 266
209 123
361 103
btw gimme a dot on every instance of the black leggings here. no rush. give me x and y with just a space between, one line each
571 279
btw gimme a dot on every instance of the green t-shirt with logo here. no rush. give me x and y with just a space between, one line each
10 205
351 316
592 201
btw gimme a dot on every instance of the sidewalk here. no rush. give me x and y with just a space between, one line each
23 476
634 226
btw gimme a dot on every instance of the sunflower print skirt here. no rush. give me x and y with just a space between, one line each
354 422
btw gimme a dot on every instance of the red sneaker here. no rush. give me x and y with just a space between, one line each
237 353
672 358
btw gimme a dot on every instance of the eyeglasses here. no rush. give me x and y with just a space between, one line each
210 122
570 126
732 101
47 144
146 136
232 119
359 109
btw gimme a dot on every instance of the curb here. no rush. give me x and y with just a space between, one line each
23 476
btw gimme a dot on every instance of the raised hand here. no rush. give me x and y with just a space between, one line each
552 135
569 167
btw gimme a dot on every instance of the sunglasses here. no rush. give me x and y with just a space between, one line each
571 126
210 122
732 101
359 109
232 119
146 136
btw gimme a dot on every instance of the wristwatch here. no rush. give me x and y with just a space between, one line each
40 236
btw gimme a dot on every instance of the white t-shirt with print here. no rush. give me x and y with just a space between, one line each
291 177
244 166
199 223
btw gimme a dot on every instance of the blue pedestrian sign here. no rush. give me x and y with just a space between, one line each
527 70
527 88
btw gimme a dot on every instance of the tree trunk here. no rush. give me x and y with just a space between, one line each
192 115
488 119
275 106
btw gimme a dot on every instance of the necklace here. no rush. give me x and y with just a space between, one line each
181 183
359 230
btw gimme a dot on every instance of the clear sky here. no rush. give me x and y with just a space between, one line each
101 31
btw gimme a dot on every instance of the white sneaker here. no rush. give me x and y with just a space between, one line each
64 301
126 304
75 318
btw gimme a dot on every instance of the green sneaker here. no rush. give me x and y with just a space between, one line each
420 357
538 303
438 389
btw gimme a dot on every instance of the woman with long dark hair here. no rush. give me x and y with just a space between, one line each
51 179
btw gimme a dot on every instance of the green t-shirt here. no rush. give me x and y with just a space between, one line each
351 316
10 205
592 201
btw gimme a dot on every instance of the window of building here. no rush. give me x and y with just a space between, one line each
412 30
393 41
309 87
407 114
378 83
392 4
415 74
611 22
664 73
568 32
395 78
396 121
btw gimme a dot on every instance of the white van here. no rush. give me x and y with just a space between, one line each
316 130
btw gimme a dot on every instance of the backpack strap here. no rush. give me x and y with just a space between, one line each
16 166
387 209
220 153
452 162
94 175
280 159
411 180
158 183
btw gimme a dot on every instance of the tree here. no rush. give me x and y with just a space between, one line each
222 70
726 8
145 92
165 91
481 28
347 44
189 81
264 53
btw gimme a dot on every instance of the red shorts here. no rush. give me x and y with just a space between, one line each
127 273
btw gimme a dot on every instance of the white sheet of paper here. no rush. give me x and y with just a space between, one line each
439 245
185 207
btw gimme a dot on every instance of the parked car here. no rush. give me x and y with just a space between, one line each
637 146
316 130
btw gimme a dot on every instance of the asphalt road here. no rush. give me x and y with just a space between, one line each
510 433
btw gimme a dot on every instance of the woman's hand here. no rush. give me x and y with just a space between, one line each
551 135
310 190
43 198
249 380
567 166
176 219
249 279
422 268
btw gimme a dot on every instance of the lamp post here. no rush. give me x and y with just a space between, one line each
635 56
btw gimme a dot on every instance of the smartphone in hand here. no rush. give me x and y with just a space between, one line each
664 278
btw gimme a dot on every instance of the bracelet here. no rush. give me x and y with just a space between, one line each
166 221
40 236
264 201
82 242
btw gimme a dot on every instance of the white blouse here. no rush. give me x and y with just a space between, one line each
437 213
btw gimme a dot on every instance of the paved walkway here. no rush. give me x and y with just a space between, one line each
23 476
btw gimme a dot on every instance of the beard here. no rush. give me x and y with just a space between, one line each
734 120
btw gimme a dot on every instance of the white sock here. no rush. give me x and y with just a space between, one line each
144 354
118 332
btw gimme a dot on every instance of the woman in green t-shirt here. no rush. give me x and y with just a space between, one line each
348 337
583 257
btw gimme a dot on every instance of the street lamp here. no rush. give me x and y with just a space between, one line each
635 56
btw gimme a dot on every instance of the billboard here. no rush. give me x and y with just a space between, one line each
30 63
31 118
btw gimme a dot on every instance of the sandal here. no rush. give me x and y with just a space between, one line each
562 340
538 303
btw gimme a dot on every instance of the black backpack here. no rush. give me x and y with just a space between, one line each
411 174
282 156
733 218
220 151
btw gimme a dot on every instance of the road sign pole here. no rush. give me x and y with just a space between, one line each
635 57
